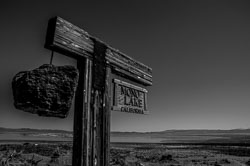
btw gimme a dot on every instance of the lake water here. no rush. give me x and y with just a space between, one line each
22 137
136 139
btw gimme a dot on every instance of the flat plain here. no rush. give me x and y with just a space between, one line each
29 147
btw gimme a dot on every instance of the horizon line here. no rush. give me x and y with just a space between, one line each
131 131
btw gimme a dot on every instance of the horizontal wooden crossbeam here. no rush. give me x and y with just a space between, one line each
68 39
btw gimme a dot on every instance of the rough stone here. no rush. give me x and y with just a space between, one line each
46 91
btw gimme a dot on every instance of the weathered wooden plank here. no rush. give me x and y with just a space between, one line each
65 37
98 103
106 116
88 118
131 76
81 140
96 130
119 59
71 40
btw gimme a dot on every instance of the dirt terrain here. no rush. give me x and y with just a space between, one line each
179 155
32 147
128 154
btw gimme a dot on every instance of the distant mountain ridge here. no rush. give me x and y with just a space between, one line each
168 136
190 131
2 129
174 131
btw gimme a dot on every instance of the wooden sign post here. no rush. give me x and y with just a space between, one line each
108 80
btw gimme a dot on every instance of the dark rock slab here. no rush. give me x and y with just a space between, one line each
46 91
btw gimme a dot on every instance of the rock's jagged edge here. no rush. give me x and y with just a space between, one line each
46 91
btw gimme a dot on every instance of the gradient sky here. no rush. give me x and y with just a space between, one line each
199 52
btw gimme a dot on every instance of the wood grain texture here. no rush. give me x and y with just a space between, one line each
66 38
99 109
129 67
82 120
106 117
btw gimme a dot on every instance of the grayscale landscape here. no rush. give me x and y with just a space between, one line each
170 147
139 83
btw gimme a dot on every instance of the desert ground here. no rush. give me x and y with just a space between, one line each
30 147
179 155
128 154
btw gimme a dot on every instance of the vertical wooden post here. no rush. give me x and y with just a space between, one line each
92 111
100 108
82 120
106 117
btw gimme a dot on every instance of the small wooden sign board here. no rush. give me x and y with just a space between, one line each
129 98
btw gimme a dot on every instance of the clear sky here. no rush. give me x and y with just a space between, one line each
199 52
